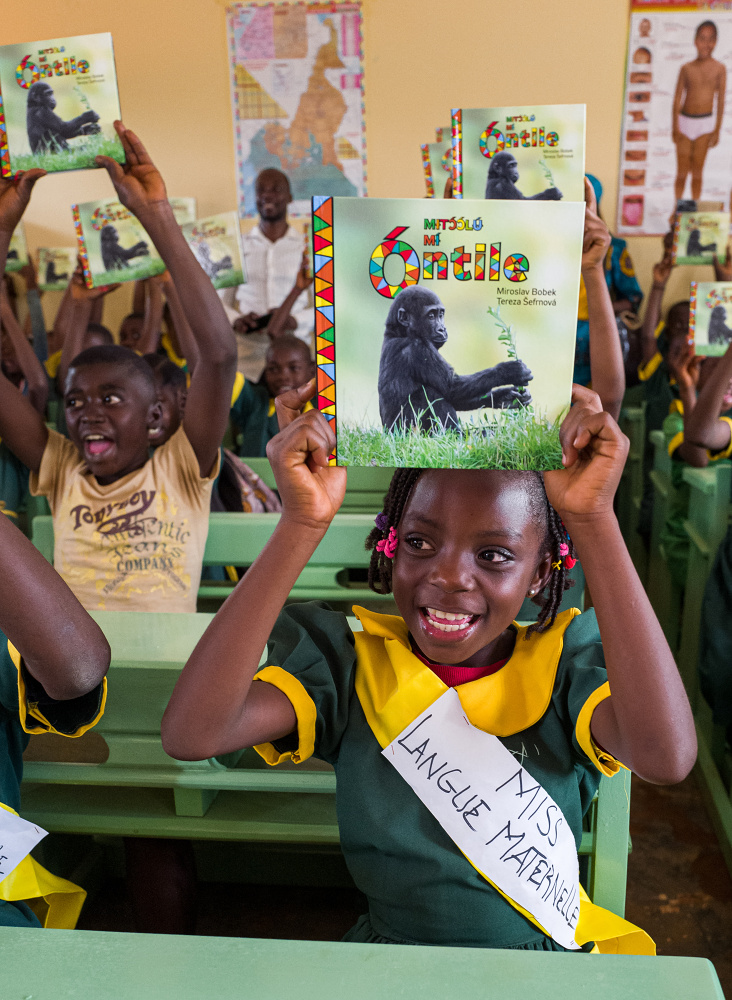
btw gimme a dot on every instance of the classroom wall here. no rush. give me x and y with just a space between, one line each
421 58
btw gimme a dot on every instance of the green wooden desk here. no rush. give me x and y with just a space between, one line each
99 965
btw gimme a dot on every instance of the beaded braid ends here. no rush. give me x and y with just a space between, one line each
563 559
382 539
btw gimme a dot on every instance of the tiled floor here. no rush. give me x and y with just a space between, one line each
679 890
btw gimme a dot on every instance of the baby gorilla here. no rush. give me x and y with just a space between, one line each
114 255
417 387
47 133
695 247
502 176
719 332
209 265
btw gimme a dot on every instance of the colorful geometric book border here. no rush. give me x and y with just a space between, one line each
5 170
83 256
323 263
427 167
692 310
457 153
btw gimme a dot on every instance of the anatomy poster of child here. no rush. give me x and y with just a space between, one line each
454 343
677 118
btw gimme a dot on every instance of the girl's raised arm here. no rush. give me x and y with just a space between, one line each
215 708
646 723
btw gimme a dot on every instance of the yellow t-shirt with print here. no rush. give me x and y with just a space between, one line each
133 545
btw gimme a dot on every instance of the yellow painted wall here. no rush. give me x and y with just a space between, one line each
422 57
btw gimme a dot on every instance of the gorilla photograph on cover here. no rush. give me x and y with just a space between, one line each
454 344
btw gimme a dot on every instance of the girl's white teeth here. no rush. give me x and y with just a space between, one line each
445 621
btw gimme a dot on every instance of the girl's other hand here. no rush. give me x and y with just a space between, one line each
662 271
138 181
594 450
684 364
311 490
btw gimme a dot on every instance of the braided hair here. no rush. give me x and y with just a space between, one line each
549 599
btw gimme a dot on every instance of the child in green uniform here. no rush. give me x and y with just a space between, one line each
51 677
459 550
705 428
691 374
288 366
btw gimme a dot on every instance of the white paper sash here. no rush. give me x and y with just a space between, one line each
501 818
18 837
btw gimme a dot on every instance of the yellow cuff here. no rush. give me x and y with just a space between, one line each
645 371
602 760
675 442
32 718
716 456
238 386
304 710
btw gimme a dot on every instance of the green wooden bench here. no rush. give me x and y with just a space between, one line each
117 780
709 515
103 965
364 493
663 594
630 490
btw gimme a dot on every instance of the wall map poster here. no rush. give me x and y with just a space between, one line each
677 114
297 98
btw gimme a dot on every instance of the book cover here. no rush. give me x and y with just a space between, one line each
444 340
437 165
710 316
698 236
113 245
535 152
55 267
58 102
18 250
184 210
443 134
215 243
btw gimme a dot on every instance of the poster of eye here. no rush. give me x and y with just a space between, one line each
446 339
677 115
297 98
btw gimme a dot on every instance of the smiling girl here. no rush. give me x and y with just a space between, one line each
460 550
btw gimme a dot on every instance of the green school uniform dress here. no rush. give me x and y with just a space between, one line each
660 391
14 478
353 694
25 708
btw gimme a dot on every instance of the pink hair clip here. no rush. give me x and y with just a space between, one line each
564 549
388 545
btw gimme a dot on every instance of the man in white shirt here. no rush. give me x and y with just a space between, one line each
273 256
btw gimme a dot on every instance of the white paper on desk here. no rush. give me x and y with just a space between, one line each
501 818
18 837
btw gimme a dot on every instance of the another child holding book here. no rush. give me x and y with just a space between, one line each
572 696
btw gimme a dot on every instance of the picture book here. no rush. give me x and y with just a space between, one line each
437 165
698 236
710 316
535 152
55 267
18 250
443 133
184 210
58 102
113 245
446 340
215 242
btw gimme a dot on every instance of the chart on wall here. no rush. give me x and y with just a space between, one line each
677 114
297 98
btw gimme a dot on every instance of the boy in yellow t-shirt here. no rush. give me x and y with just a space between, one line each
130 530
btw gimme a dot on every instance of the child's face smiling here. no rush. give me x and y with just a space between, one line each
470 547
108 412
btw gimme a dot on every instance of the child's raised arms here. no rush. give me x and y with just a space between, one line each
141 188
646 723
703 426
203 718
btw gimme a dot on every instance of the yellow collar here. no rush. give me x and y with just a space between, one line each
394 686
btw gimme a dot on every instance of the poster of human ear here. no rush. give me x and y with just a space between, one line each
58 102
676 142
519 153
445 331
710 316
